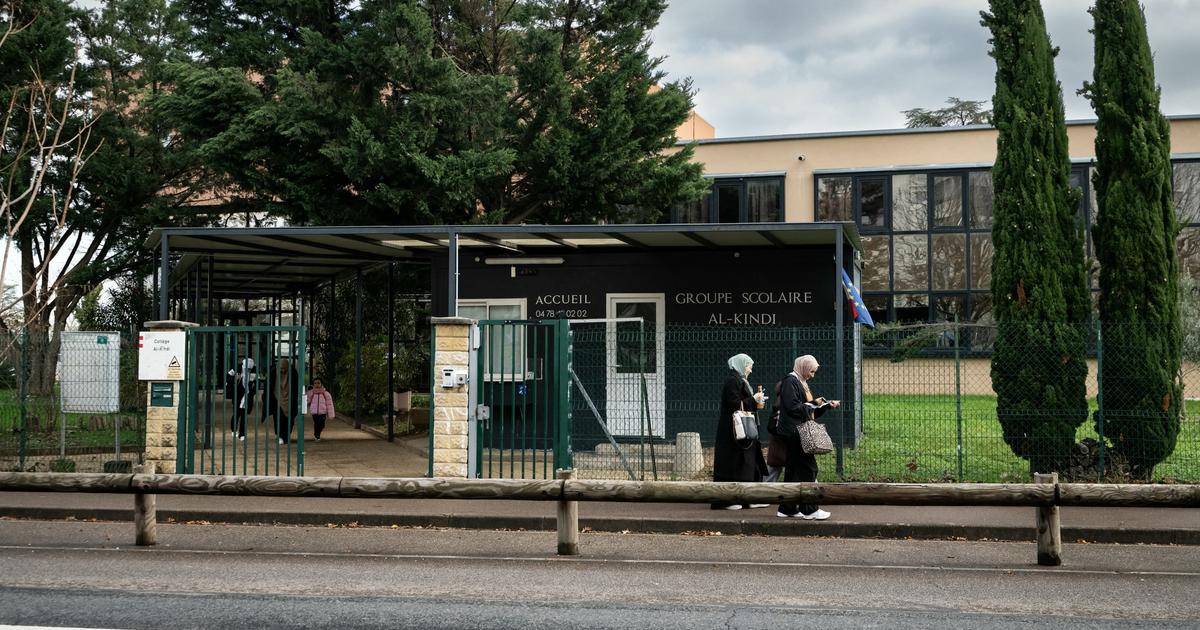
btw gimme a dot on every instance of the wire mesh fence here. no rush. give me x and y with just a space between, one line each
921 403
70 402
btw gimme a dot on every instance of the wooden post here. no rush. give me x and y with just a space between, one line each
568 521
1049 535
145 515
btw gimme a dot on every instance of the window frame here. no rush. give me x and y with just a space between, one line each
711 203
519 331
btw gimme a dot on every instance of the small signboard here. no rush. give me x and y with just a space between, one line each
162 355
89 372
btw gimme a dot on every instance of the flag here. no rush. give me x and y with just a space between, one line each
857 308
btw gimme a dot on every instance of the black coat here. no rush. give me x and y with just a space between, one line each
734 460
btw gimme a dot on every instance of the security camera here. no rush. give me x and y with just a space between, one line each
801 157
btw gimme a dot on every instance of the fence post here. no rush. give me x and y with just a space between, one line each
145 514
568 521
1049 535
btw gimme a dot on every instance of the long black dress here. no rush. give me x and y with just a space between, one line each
735 460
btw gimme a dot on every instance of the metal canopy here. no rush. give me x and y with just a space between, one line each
259 262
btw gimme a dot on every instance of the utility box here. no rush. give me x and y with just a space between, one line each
89 372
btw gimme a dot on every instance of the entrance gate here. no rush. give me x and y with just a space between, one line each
242 407
520 404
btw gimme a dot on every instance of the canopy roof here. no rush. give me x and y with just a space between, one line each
259 262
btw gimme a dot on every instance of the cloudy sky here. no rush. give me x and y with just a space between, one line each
764 67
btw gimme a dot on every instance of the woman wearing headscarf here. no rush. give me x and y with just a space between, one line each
239 389
793 396
284 398
737 460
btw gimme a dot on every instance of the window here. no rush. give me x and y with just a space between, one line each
735 200
948 201
877 263
911 266
873 209
1186 182
504 344
910 202
981 199
835 199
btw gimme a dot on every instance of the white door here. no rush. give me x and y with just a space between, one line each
635 358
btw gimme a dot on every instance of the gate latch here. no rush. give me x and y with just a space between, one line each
483 413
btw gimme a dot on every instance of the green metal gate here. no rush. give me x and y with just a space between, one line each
242 406
520 382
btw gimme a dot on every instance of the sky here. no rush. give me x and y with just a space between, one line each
768 67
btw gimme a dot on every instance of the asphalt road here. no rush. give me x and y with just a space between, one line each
205 576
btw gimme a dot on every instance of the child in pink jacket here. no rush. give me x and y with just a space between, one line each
320 405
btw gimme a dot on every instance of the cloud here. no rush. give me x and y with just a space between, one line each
771 67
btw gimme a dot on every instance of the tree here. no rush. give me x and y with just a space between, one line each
389 111
1038 275
958 113
1135 234
103 169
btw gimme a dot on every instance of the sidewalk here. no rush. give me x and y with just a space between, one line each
344 451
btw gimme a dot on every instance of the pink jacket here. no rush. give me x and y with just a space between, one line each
320 402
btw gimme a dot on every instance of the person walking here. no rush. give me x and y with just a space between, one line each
283 399
733 459
240 384
320 405
797 404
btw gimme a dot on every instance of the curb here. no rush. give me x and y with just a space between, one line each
790 528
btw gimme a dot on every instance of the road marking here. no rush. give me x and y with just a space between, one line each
576 559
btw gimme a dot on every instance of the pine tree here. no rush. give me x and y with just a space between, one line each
1134 233
1038 275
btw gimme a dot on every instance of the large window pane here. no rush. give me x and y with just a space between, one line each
636 341
981 200
982 335
910 202
835 199
912 308
877 306
765 200
872 200
981 261
948 308
693 211
947 195
1188 246
1187 192
949 261
911 262
729 203
877 263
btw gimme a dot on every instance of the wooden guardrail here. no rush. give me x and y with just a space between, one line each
1047 495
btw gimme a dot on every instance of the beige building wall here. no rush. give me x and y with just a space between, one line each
799 156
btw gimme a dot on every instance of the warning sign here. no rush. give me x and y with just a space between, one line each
162 356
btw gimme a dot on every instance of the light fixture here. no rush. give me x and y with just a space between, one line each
544 260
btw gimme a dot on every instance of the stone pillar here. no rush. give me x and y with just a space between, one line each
448 426
162 422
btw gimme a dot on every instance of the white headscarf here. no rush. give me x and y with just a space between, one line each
738 363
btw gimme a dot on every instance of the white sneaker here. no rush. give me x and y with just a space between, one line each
819 515
782 515
733 507
281 440
759 505
241 438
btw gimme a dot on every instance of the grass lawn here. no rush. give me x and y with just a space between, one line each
914 438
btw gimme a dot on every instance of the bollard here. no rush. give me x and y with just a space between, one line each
689 458
145 514
568 521
1049 535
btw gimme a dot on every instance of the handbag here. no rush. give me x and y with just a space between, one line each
745 425
814 439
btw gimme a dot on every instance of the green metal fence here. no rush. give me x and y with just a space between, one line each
242 411
70 402
520 379
919 404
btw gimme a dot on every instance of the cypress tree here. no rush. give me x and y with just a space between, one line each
1134 233
1038 275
